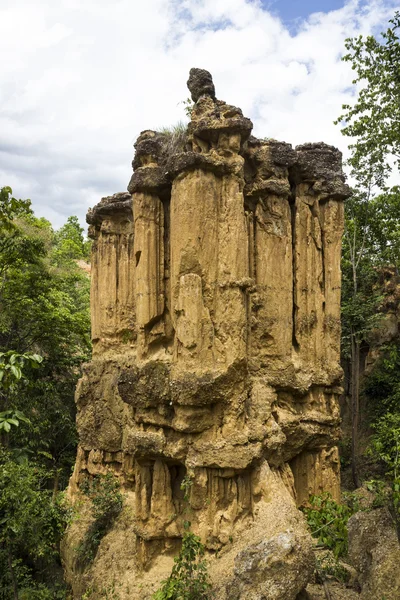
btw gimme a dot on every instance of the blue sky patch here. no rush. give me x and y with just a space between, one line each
291 11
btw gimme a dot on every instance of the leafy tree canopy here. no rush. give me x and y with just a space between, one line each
70 243
11 208
374 119
372 222
44 337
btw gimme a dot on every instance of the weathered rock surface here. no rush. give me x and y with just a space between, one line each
333 591
216 326
271 569
200 83
374 551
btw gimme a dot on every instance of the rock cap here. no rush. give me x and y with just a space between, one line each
200 83
119 203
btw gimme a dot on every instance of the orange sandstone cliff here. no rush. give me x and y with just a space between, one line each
216 329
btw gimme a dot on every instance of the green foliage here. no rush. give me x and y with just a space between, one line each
188 105
13 243
189 577
106 504
379 488
11 208
70 243
372 224
383 214
386 442
9 418
328 522
31 528
371 240
382 390
11 365
374 119
28 516
382 385
44 321
44 310
386 448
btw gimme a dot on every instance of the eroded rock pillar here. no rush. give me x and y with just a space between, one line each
216 328
112 301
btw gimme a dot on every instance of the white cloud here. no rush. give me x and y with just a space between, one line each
79 79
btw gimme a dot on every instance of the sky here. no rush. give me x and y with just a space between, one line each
79 80
292 12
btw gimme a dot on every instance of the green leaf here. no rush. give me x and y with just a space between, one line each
37 358
16 371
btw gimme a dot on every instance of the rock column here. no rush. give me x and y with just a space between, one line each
216 332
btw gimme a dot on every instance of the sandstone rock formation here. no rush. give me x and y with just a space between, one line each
375 552
216 327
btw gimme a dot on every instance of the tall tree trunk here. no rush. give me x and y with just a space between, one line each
55 484
355 405
355 382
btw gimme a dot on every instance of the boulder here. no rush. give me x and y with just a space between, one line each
374 551
274 569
